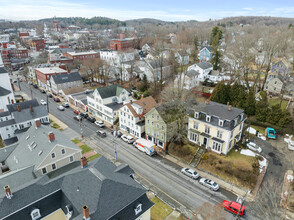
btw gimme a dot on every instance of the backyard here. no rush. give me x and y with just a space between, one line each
275 101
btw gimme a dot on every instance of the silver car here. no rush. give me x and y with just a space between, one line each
254 147
191 173
209 184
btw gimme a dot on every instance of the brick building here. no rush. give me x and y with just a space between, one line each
81 56
43 75
122 43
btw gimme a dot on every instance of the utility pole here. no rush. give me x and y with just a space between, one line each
115 151
47 103
80 121
241 203
31 91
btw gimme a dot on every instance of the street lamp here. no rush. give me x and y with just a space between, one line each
115 151
80 121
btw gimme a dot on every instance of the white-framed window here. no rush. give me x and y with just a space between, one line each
53 155
157 117
208 117
193 137
196 115
162 127
157 125
220 122
35 214
44 170
152 116
207 129
71 159
62 151
231 134
219 134
53 166
216 146
235 122
195 125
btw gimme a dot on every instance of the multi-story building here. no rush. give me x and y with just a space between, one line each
44 74
121 44
81 56
216 126
65 81
106 102
35 43
6 92
132 116
19 117
205 54
116 58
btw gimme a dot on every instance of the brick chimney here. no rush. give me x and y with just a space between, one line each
37 123
8 192
68 71
51 136
228 103
207 102
107 84
84 162
230 108
31 108
18 108
86 213
131 101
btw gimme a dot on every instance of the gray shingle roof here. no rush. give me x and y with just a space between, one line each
27 115
3 70
204 65
3 114
25 157
109 91
7 122
65 78
4 91
207 47
23 105
5 152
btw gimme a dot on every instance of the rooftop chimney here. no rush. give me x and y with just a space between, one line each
230 108
228 103
37 123
8 192
207 102
18 108
86 213
84 162
131 101
107 84
51 136
142 96
68 71
31 107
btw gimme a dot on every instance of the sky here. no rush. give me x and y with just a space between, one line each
167 10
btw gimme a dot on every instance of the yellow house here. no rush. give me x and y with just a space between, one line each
216 126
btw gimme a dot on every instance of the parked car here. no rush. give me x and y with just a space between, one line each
56 99
35 86
65 105
101 133
61 108
84 114
209 184
233 207
91 119
42 91
42 102
99 124
128 139
270 133
14 81
78 118
191 173
30 83
116 134
49 95
254 147
76 111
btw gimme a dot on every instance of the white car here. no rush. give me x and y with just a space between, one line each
191 173
99 124
209 184
43 102
128 139
61 108
254 147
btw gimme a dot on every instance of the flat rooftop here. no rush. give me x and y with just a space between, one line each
51 70
82 53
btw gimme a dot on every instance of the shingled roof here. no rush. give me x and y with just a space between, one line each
65 78
4 92
146 103
109 91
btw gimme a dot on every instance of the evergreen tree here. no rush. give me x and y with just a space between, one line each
215 52
221 93
144 84
195 49
250 102
262 108
275 114
285 119
216 31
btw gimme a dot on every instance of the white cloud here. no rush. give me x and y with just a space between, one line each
248 9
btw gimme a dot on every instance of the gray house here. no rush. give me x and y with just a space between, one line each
65 81
99 190
274 86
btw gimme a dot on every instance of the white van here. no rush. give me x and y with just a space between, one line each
145 146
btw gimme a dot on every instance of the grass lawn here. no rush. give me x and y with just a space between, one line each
185 152
273 102
54 125
235 168
160 210
1 143
93 157
85 148
258 128
76 141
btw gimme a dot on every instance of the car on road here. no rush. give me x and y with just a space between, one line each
61 108
191 173
56 99
254 147
209 184
101 133
42 102
49 95
78 118
99 124
128 139
76 111
30 83
91 119
117 134
84 114
14 81
35 86
65 105
233 207
42 91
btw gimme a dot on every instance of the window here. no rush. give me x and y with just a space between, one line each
157 125
208 118
240 127
152 116
138 209
71 159
207 129
220 122
54 166
219 134
162 127
196 115
196 125
216 146
193 137
53 155
275 82
62 151
147 121
35 214
157 117
231 134
44 171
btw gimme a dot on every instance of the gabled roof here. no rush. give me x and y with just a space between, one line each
27 115
146 103
157 63
109 91
206 47
22 156
65 78
4 92
3 70
204 65
183 53
23 105
283 61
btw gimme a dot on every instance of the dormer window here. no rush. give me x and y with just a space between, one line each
35 214
208 117
221 123
235 122
196 115
138 209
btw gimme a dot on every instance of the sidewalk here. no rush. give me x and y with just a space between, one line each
57 121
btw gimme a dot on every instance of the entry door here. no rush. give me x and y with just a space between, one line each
204 141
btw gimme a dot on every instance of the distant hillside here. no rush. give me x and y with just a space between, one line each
145 21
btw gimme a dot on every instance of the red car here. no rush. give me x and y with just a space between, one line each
233 207
56 99
76 111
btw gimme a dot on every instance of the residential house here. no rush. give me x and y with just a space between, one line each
19 117
65 81
146 48
6 92
281 67
155 69
160 126
106 101
187 80
182 57
78 97
216 126
132 116
205 54
99 190
203 68
274 86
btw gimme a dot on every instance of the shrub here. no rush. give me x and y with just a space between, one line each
204 156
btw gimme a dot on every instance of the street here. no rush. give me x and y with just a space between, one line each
183 192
